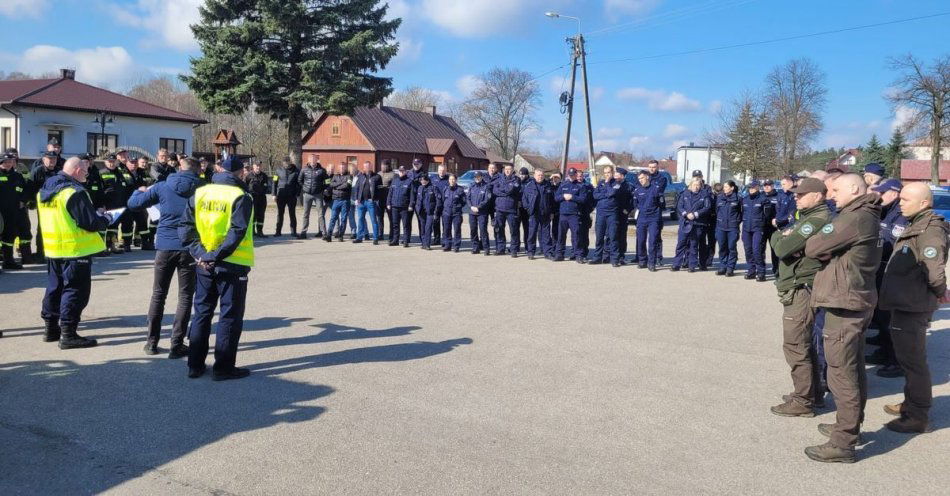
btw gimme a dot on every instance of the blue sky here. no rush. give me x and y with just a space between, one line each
648 106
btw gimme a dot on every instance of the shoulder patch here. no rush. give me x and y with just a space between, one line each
930 252
828 229
807 229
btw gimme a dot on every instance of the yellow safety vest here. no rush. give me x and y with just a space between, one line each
213 205
62 237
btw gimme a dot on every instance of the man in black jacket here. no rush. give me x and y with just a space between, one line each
286 190
49 167
340 187
364 194
312 183
258 183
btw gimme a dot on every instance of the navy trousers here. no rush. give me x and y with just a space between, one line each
478 231
622 237
754 247
511 220
231 290
428 224
451 231
584 223
568 223
647 233
687 246
727 248
400 217
658 243
69 281
605 237
539 235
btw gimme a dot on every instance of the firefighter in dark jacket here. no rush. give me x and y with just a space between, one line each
258 184
133 223
14 191
914 286
114 191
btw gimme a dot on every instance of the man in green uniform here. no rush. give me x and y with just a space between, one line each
794 283
914 286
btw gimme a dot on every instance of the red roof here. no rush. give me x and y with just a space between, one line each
68 94
581 166
919 170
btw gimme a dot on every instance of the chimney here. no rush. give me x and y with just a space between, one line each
430 109
67 73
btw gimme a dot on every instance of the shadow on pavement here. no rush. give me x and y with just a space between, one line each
331 332
883 440
34 276
83 429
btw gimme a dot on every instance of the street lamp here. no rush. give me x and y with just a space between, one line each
555 15
102 117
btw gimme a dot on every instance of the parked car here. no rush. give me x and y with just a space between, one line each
466 179
942 203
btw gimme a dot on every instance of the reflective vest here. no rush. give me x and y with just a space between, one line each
213 205
62 237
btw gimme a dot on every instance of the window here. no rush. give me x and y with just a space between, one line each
335 129
97 143
6 137
172 145
50 134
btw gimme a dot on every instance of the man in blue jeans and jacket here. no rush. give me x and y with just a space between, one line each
364 196
171 196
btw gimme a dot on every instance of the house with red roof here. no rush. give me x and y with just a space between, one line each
377 134
914 170
34 111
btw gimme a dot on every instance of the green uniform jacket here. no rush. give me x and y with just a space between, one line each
795 269
851 251
915 278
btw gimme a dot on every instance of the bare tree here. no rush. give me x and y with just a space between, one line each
926 92
747 135
414 98
501 109
796 94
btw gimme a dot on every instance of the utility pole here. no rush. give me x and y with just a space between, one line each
570 106
590 130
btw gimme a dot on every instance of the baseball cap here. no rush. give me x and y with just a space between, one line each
753 184
9 156
697 173
877 169
622 170
768 182
810 185
524 170
572 171
49 154
402 168
232 164
887 185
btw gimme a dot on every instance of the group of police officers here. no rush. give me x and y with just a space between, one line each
848 251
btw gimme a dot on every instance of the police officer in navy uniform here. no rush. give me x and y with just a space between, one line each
415 175
216 230
71 227
659 182
507 193
428 202
754 218
609 211
692 207
893 224
441 181
479 202
728 220
649 204
585 222
49 167
785 205
399 204
626 203
537 200
493 177
524 178
770 210
570 197
555 180
452 204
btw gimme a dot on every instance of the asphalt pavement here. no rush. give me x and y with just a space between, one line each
390 370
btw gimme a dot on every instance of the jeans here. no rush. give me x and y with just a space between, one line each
362 208
308 202
290 203
167 262
339 209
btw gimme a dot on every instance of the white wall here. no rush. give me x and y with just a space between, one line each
7 120
690 159
925 152
133 131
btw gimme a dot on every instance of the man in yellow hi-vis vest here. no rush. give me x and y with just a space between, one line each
71 226
215 230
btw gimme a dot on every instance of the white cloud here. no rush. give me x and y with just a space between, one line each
630 7
903 116
559 84
609 132
674 130
101 66
678 143
606 144
480 18
170 20
16 9
596 93
467 84
715 106
661 99
637 140
410 50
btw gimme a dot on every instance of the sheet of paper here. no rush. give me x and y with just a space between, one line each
116 213
153 213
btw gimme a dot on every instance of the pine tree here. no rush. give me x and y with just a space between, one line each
292 58
895 153
874 152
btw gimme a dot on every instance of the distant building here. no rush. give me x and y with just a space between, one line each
919 171
707 159
921 150
846 161
498 160
532 162
375 134
34 111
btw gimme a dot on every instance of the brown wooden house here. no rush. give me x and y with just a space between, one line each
376 134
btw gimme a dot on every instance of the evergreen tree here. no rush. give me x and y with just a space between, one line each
292 58
895 153
873 152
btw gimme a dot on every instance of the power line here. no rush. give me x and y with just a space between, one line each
773 40
539 76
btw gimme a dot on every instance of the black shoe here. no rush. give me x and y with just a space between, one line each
558 259
760 278
70 339
302 236
355 241
514 254
151 348
594 262
749 275
52 332
446 249
721 272
652 268
328 239
730 273
581 261
879 357
889 371
235 373
530 256
405 245
391 243
475 252
456 250
641 266
615 264
674 269
196 372
375 242
178 351
691 270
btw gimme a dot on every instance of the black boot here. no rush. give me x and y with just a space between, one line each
9 262
26 255
71 339
126 245
52 331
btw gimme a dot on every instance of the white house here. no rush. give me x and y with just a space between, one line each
922 150
707 159
34 111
